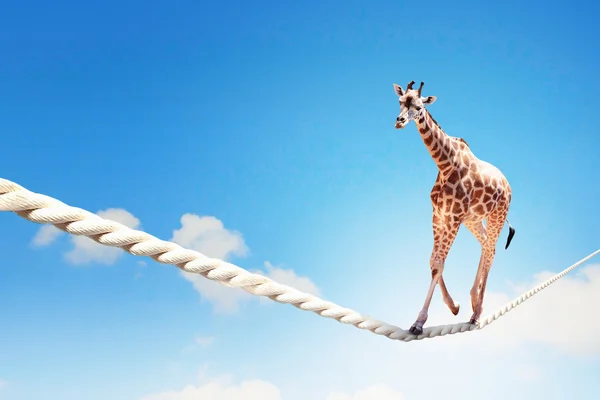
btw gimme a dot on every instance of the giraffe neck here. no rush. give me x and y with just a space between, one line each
438 143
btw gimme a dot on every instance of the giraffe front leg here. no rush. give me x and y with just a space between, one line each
437 265
444 233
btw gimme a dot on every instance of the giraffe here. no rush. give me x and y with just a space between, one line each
467 191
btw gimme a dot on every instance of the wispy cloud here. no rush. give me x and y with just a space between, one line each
204 341
46 235
221 389
379 392
200 342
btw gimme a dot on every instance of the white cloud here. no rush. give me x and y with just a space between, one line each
85 250
218 390
562 316
379 392
209 236
228 299
288 277
556 328
46 235
224 299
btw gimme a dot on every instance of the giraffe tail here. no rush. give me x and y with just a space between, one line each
511 233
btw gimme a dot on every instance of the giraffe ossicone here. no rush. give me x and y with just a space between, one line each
467 191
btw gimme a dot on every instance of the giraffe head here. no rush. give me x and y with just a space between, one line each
412 104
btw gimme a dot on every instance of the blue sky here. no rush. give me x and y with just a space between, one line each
264 132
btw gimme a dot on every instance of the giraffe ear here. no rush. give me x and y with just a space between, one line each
398 90
429 100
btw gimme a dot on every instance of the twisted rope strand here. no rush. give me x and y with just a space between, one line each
43 209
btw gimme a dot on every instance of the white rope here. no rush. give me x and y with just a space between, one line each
44 209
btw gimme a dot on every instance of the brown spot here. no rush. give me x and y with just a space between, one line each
428 140
434 194
444 164
490 190
478 193
448 204
447 190
478 183
479 209
456 208
465 203
486 198
435 154
423 130
434 272
454 177
421 120
463 141
459 193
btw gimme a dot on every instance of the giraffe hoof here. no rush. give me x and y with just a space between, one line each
416 329
474 321
456 309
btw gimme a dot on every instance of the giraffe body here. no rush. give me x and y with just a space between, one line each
467 191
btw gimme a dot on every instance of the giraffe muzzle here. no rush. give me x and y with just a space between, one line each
400 125
401 122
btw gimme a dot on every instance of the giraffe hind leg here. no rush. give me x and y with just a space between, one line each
480 232
495 222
